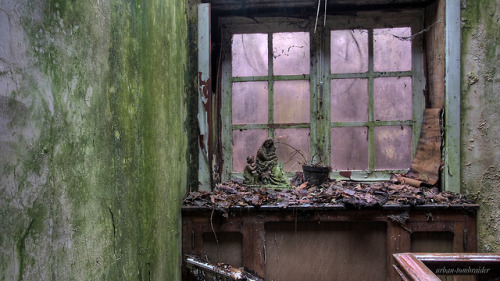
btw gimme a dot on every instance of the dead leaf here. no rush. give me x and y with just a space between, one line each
302 186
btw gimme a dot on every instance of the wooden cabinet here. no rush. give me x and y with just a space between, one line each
326 242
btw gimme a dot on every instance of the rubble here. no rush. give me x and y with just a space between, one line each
204 270
331 193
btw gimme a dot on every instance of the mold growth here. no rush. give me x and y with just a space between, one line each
480 115
92 114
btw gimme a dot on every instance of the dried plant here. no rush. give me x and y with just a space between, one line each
302 159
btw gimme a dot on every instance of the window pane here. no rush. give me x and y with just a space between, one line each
350 148
392 49
299 139
349 100
250 103
291 55
246 143
393 98
392 147
249 54
291 102
349 51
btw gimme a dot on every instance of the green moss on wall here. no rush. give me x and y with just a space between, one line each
100 153
480 115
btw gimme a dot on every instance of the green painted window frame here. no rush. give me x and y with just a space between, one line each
238 25
319 78
370 21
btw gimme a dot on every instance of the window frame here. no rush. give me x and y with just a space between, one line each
320 77
371 20
209 149
238 25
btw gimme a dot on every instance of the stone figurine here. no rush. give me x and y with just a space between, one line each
268 170
250 173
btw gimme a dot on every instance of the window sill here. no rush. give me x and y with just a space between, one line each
330 195
307 207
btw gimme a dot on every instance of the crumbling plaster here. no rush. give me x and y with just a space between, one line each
93 139
481 115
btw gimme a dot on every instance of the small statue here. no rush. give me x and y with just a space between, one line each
269 170
250 173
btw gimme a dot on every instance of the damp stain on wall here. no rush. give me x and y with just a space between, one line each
93 139
480 115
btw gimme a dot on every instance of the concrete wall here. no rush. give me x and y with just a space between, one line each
93 139
481 115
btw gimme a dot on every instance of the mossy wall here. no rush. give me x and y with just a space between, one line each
93 139
481 115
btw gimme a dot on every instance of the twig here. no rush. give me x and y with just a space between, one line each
296 150
212 225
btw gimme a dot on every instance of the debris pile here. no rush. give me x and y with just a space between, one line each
330 193
204 270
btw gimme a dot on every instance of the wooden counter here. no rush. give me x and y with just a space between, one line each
334 232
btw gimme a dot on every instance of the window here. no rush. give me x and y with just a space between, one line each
347 94
440 28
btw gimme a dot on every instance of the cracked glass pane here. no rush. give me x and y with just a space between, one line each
392 147
291 53
349 100
349 148
392 49
291 101
349 51
250 103
249 54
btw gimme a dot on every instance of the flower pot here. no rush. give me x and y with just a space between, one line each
316 175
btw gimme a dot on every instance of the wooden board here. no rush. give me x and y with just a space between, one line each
326 251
